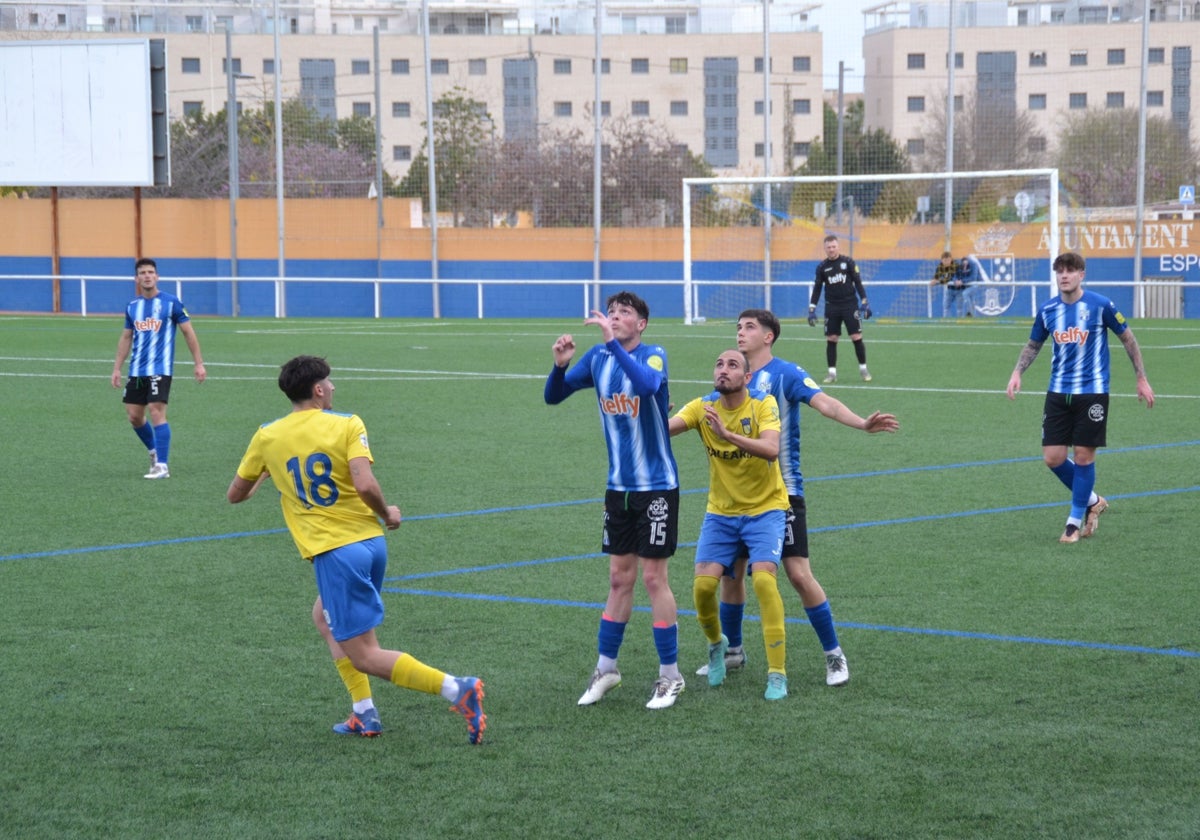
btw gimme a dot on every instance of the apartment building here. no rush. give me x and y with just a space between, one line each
696 69
1043 59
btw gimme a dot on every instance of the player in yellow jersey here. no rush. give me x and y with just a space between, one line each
333 505
747 509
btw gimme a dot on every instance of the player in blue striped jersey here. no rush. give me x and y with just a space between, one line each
150 323
792 387
641 505
1075 414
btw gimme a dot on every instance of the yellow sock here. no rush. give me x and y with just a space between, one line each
704 593
770 605
409 672
356 681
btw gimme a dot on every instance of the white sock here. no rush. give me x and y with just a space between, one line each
364 706
450 688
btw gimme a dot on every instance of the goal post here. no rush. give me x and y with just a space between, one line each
756 242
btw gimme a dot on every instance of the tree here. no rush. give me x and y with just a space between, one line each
988 134
1097 158
863 153
462 129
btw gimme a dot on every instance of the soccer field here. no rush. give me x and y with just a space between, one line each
163 679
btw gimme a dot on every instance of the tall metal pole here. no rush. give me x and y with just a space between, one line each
378 163
1139 298
767 153
429 137
280 291
597 158
231 122
949 211
841 136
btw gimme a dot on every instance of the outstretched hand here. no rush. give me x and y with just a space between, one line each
879 422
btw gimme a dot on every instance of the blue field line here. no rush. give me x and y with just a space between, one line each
885 628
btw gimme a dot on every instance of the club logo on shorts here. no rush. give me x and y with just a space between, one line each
1096 412
658 509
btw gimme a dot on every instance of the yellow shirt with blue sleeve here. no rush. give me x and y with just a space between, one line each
308 455
739 484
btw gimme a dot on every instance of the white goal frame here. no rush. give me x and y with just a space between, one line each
690 285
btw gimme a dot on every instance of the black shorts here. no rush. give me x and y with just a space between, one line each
834 318
1075 420
143 390
645 523
795 535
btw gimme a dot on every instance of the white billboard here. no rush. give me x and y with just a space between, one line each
76 113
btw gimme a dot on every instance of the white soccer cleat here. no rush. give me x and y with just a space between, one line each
837 672
599 685
159 470
733 661
665 692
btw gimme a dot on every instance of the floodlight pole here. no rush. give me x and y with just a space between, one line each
231 123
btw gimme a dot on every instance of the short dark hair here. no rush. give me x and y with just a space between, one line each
766 318
946 254
1069 261
298 376
631 300
144 261
830 238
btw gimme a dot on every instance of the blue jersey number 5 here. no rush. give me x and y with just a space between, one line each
318 471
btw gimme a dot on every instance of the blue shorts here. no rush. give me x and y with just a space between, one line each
348 580
723 539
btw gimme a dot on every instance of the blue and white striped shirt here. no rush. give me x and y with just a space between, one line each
153 322
1080 364
632 393
790 385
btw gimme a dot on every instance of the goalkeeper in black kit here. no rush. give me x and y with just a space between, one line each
845 303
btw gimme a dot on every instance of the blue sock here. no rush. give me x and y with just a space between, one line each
145 433
821 619
162 442
731 622
609 639
1081 489
666 640
1066 473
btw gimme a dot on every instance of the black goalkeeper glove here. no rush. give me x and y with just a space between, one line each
866 311
812 317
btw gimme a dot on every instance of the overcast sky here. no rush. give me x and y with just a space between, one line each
841 25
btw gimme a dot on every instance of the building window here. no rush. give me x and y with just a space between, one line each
1156 55
679 108
477 67
562 67
1154 99
358 24
916 104
193 109
399 66
382 23
191 65
640 65
605 66
801 149
605 108
476 25
268 67
1037 102
758 107
1077 101
1079 58
958 103
237 66
562 109
916 61
1114 99
915 147
640 107
402 110
361 109
1037 143
439 67
678 65
194 23
401 153
1037 58
801 64
1116 56
676 24
760 149
34 20
958 61
360 67
758 65
801 107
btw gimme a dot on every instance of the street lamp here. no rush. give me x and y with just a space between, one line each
231 119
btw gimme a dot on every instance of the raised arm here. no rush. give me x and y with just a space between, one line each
835 409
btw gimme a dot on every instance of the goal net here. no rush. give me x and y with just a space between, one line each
756 242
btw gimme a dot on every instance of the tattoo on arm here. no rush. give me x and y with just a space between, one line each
1135 353
1028 353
